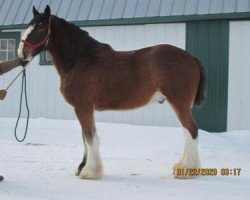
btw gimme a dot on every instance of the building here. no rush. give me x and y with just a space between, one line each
215 31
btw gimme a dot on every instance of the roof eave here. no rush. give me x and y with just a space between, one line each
148 20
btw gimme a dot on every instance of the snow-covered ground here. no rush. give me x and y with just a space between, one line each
137 162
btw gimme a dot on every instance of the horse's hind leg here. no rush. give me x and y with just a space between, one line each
91 166
190 158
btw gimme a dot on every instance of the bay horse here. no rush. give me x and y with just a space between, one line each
96 77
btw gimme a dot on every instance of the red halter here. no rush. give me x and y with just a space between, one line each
42 42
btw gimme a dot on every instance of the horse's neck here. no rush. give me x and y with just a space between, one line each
60 51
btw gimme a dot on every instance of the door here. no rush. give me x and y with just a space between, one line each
208 41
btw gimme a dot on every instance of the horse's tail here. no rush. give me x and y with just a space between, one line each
201 91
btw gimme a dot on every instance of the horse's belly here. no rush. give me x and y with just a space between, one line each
132 102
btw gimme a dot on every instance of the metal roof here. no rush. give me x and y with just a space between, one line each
14 12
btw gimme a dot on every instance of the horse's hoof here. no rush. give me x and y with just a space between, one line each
181 171
91 172
77 172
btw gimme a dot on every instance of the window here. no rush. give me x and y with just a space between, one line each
9 42
45 58
7 49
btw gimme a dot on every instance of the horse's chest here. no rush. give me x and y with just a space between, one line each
68 92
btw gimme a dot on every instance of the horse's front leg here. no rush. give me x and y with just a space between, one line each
91 166
83 163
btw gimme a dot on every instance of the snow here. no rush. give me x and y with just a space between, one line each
137 162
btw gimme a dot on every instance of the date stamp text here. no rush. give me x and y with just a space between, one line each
208 171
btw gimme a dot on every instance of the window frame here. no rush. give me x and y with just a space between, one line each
12 35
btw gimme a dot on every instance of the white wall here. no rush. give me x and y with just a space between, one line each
43 81
239 76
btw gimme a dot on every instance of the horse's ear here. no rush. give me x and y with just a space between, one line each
35 12
47 10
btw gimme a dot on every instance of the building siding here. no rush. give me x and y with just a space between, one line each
45 98
208 41
239 72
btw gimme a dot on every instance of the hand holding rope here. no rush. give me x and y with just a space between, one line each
5 67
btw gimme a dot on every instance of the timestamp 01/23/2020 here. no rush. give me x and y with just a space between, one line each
208 171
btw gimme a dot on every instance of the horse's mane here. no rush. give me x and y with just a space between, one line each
81 42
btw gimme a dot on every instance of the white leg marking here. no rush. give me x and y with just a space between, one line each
93 168
190 157
21 45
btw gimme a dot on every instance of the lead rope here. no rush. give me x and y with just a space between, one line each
23 90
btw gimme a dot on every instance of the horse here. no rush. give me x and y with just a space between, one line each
94 76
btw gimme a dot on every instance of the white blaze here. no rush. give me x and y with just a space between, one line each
21 45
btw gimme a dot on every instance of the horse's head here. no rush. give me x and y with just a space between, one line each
36 37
